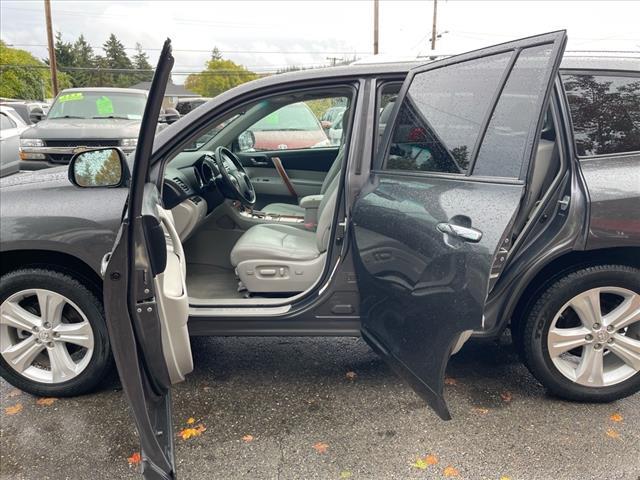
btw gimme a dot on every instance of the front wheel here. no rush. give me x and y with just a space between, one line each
581 339
53 337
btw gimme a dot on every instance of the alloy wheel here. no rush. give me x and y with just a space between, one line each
594 339
44 336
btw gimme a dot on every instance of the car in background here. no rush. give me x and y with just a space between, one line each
81 118
30 112
185 105
11 126
293 126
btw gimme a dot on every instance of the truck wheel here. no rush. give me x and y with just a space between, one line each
581 338
53 336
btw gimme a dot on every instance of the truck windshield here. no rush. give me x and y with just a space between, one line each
87 104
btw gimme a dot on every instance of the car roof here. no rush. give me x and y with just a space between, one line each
105 90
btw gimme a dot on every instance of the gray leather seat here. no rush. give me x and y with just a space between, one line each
297 210
271 258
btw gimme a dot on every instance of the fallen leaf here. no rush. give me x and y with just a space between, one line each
504 477
320 447
247 438
480 410
450 471
613 433
14 393
345 474
134 459
616 417
420 464
450 381
351 376
187 433
46 401
431 459
191 421
17 408
506 396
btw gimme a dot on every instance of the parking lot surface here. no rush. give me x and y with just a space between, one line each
292 408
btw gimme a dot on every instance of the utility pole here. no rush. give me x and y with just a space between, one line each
433 28
375 26
52 50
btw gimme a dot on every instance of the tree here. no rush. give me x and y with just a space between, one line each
84 58
219 75
24 76
64 52
141 62
116 58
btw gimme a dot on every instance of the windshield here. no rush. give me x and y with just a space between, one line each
296 116
128 106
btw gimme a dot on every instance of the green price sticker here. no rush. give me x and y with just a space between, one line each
104 106
68 97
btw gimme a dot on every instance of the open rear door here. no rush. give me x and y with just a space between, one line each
430 226
146 300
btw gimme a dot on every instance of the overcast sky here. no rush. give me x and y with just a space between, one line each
268 35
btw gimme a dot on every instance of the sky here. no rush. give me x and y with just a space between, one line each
266 36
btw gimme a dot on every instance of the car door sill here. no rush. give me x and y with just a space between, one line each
259 310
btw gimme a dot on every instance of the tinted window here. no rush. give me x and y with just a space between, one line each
502 149
441 115
605 111
6 123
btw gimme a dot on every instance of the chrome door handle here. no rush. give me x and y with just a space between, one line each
467 234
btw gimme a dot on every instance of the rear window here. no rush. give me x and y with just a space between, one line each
605 110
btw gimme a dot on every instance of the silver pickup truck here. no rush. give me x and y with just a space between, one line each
80 118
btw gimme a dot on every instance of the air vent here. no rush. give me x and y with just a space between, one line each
181 184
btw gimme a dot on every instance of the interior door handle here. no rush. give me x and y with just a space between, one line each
467 234
258 163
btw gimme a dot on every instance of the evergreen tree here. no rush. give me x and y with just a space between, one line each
64 52
84 58
141 62
116 58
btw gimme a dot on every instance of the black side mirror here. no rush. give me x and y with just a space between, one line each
36 114
171 115
102 167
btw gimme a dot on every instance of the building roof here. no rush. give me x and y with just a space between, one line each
172 90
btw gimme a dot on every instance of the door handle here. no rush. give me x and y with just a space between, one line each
467 234
258 163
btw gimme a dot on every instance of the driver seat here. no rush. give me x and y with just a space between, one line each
274 258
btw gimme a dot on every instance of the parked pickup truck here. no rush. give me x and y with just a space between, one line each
81 118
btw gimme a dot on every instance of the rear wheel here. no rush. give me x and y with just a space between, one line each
581 339
53 338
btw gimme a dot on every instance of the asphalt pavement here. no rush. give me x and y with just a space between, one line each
327 408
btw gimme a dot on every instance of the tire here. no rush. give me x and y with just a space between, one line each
80 309
553 305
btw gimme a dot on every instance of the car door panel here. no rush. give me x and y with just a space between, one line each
426 245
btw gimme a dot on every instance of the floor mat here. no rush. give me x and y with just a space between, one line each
207 281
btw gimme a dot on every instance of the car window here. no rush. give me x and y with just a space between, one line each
441 116
605 110
501 152
386 99
6 123
98 104
297 126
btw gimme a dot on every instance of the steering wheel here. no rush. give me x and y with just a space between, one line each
235 182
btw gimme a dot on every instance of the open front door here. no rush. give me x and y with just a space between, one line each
434 225
146 301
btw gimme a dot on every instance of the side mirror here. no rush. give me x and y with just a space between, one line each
169 116
103 167
36 114
246 141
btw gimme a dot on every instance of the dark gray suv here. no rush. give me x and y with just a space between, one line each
504 191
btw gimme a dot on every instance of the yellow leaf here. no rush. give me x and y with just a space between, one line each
616 417
613 433
191 421
345 474
46 401
450 471
321 447
247 438
187 433
134 459
420 464
450 381
504 477
351 376
17 408
480 410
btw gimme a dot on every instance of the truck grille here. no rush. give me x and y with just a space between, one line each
82 143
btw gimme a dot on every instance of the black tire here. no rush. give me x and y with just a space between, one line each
533 330
101 362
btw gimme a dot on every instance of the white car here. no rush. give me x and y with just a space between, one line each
11 126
